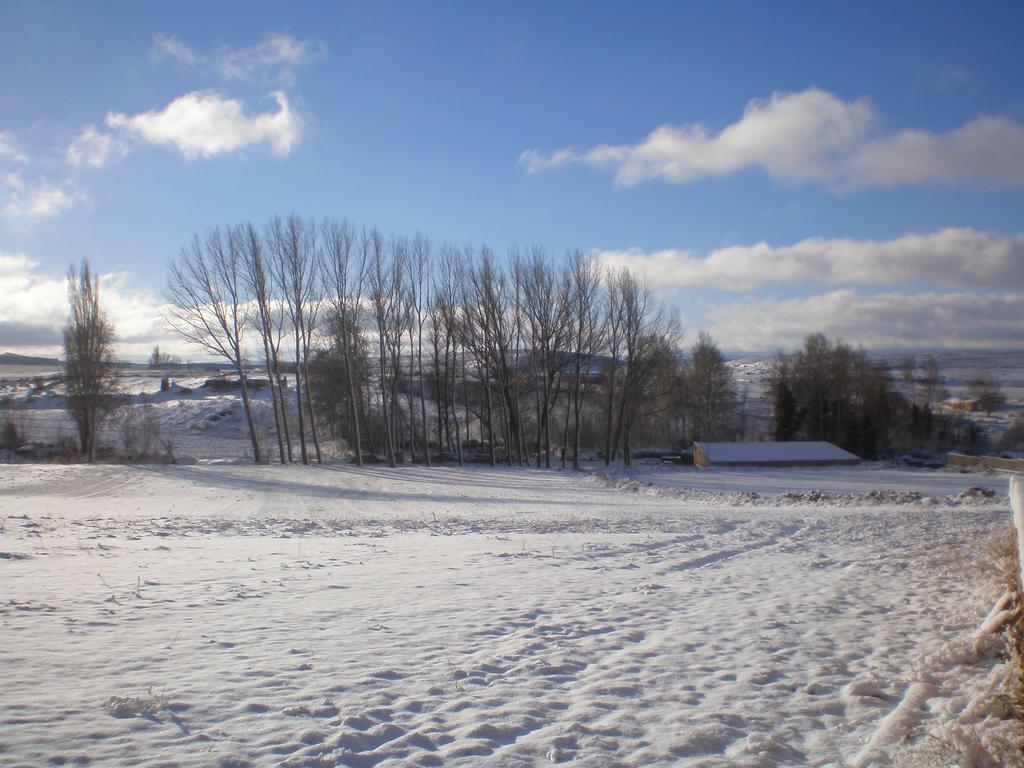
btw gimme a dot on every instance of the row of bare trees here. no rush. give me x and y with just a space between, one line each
403 350
242 279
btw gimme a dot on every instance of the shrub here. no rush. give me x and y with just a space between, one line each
1012 438
11 436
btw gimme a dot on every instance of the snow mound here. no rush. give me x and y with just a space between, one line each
817 497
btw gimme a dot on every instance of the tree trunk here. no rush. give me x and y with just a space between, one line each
455 411
389 437
627 448
423 396
490 415
608 416
273 398
246 405
577 408
620 422
284 405
298 399
312 418
565 429
357 439
309 396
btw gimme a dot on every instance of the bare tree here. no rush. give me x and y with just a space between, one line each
709 393
293 244
545 297
490 331
345 274
987 392
419 287
614 321
386 282
587 337
447 334
649 337
161 359
267 314
315 300
89 373
207 306
908 375
931 380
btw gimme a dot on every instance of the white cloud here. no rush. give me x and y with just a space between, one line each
9 148
170 47
810 136
987 149
94 148
30 298
273 59
26 196
204 124
35 308
885 321
955 257
535 162
23 201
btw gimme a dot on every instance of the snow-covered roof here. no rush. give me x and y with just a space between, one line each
794 450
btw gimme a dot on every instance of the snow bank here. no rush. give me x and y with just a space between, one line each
686 486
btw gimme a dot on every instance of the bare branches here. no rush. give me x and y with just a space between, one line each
207 305
516 346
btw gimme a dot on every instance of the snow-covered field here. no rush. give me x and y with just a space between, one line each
197 422
231 615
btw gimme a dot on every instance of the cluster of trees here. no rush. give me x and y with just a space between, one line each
407 351
161 359
829 391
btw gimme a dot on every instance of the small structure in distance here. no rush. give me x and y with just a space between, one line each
795 453
962 404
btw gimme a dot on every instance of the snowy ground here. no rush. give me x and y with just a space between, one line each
231 615
197 422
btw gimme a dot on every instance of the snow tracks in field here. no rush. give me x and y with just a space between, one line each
264 616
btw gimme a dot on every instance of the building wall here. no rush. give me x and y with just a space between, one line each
984 462
699 458
808 463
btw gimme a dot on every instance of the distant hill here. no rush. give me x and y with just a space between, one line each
9 358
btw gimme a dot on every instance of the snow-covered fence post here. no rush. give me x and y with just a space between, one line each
1007 609
1017 505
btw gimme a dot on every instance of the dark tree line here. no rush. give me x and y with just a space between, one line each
830 391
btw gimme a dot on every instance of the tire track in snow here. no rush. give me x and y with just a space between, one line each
788 534
104 485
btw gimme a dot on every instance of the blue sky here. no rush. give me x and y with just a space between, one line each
773 169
